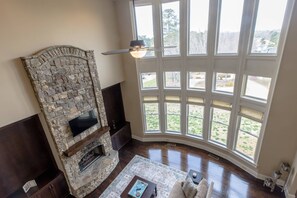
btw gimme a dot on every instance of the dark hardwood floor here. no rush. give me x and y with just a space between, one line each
229 180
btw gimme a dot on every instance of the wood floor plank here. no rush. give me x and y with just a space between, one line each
230 180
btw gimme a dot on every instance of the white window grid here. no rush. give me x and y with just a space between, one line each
241 64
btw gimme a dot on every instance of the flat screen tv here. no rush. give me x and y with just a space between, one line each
83 122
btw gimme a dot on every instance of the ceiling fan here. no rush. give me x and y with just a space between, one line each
137 47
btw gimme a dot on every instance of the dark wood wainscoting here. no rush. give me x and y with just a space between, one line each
25 155
120 130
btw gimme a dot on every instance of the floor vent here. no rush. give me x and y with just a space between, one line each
213 156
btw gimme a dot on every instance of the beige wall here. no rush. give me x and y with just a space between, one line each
280 141
130 85
31 25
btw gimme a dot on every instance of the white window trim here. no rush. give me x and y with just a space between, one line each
207 63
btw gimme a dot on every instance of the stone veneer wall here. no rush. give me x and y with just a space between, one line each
66 84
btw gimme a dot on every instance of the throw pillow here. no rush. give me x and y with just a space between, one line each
189 188
202 189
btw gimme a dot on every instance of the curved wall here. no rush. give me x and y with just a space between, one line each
274 140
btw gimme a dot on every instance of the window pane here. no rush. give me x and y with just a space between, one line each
257 87
172 79
170 21
195 120
268 26
250 126
152 116
246 144
219 133
221 115
196 80
144 19
229 29
219 125
149 80
173 117
198 26
225 82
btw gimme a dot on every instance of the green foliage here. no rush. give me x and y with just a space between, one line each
195 126
246 144
219 132
170 30
173 122
251 126
220 115
196 110
149 83
152 123
219 127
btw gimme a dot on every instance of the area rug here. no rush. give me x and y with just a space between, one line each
160 174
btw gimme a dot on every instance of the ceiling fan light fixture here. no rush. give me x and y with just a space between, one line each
138 52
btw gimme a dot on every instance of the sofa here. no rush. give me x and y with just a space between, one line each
178 190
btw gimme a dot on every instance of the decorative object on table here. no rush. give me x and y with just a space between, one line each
137 189
28 185
271 182
162 175
140 187
195 176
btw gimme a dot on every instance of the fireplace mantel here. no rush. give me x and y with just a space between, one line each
81 144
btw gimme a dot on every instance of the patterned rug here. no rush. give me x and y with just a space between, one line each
160 174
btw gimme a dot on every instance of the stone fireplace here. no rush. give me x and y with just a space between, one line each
90 157
66 84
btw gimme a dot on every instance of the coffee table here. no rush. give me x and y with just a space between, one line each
196 179
150 191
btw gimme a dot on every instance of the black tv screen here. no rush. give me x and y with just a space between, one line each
83 122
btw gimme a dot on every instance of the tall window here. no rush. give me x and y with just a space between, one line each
151 117
144 16
229 28
195 120
170 23
268 26
198 26
173 120
219 125
248 135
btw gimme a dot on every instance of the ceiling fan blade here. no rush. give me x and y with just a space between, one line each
119 51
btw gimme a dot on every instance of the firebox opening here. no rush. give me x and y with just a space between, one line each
91 156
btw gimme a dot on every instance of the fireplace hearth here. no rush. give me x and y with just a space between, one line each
90 157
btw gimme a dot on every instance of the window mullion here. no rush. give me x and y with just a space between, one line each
243 47
249 133
212 23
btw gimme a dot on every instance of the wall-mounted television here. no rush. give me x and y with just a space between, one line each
83 122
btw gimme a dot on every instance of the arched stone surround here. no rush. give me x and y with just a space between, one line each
66 84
